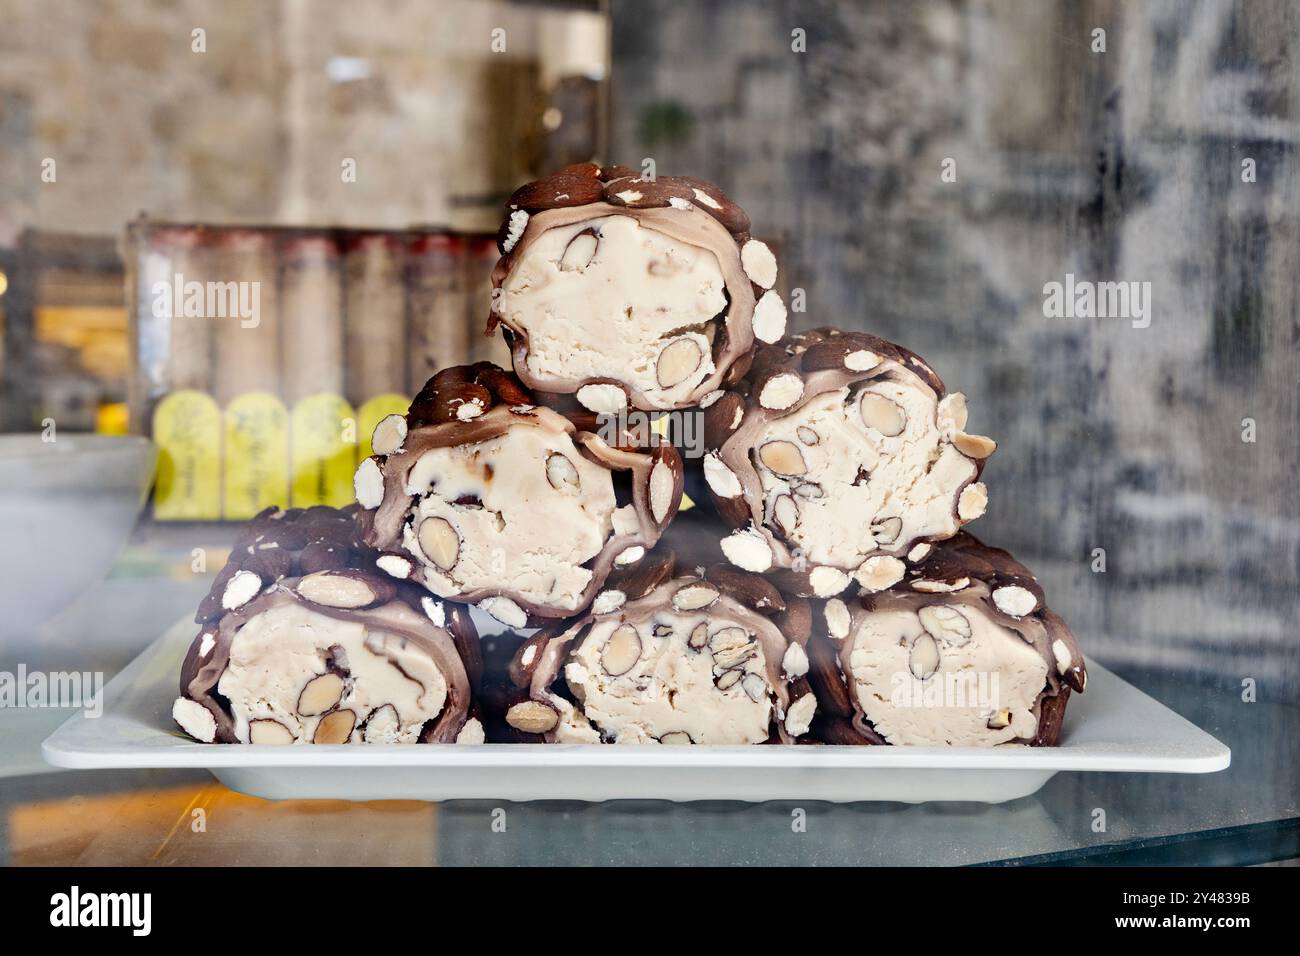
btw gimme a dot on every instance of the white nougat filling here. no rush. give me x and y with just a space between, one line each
521 528
276 653
981 693
614 315
854 476
670 690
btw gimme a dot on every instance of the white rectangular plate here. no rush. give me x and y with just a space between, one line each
1114 727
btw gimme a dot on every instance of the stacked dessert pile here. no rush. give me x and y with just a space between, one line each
828 595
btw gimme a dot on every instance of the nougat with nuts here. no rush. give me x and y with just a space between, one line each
482 497
963 651
625 292
837 456
668 655
305 639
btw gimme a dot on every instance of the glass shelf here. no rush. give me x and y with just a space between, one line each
1244 815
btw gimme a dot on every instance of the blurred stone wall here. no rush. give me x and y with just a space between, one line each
1117 165
379 114
1125 164
254 127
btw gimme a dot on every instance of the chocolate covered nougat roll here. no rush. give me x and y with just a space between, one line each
485 498
671 656
305 640
629 292
836 455
963 651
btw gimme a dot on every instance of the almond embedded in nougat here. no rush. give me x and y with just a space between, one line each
728 679
999 719
886 530
882 414
269 732
381 725
754 686
339 589
579 252
562 475
607 602
730 646
783 457
335 727
694 597
677 362
320 694
663 482
621 651
785 513
880 572
945 623
923 659
532 717
439 542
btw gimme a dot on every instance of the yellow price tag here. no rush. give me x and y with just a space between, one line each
324 442
187 431
257 455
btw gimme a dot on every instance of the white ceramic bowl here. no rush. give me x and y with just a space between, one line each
66 509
